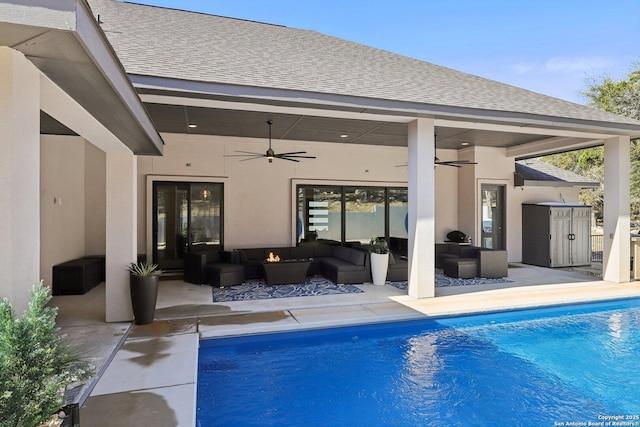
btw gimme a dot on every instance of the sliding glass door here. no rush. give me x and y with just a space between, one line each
351 214
187 216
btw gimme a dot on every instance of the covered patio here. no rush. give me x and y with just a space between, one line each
84 167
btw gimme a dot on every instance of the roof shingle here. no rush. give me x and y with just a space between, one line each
174 44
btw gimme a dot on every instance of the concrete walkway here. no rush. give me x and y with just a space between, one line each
150 372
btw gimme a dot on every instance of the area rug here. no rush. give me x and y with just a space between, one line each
258 289
444 281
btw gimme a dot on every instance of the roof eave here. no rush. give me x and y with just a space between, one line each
519 181
66 43
284 97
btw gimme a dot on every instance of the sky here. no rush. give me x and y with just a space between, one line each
554 47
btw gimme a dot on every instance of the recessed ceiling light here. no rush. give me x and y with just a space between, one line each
344 135
464 143
191 125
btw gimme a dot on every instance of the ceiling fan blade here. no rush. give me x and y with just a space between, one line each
293 152
245 153
297 157
252 158
286 158
248 152
457 162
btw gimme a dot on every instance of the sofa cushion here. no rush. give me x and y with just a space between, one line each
342 253
323 250
247 255
340 264
302 252
213 256
357 257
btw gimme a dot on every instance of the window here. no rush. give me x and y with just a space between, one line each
319 213
364 213
350 214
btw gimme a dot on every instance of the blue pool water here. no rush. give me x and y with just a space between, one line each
571 364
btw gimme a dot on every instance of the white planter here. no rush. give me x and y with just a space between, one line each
379 266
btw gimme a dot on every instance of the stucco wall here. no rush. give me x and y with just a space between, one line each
62 192
95 200
495 168
259 195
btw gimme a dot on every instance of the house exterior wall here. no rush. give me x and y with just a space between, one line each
74 170
19 177
446 217
259 197
72 201
258 200
494 167
62 194
95 200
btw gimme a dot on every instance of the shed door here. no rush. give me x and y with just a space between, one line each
581 236
559 239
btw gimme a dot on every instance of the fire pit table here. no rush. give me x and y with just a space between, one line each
286 272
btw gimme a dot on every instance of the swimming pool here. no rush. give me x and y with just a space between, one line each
570 365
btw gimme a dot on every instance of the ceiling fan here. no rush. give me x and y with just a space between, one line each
270 154
453 163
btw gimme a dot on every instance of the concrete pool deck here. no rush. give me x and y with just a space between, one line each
149 372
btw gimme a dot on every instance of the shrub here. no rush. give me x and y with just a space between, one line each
35 366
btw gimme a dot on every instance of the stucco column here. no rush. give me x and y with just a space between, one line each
421 209
19 177
121 238
617 229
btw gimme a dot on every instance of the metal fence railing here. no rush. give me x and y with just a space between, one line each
597 246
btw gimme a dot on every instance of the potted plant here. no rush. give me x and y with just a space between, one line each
143 282
379 251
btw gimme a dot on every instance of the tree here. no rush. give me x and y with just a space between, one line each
619 97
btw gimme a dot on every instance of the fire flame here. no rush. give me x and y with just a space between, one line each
272 258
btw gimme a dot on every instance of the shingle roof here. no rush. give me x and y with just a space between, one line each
169 43
541 173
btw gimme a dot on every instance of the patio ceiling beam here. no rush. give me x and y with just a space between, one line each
551 146
585 139
62 107
530 130
266 108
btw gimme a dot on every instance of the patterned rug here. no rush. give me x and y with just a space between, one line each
443 281
258 289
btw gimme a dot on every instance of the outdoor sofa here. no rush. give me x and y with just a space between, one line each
213 267
467 261
340 264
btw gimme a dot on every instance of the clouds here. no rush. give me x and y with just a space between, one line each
565 65
579 65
